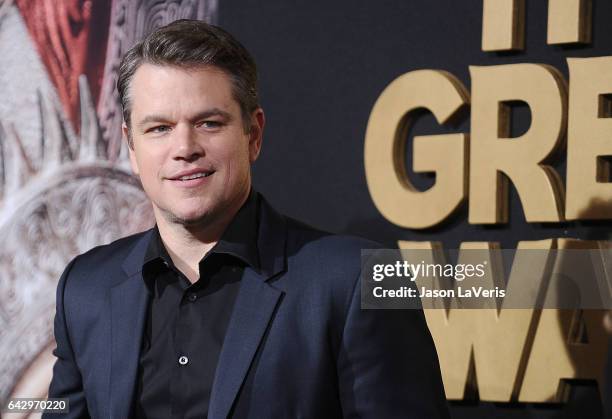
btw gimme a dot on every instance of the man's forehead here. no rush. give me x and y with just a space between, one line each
152 71
160 88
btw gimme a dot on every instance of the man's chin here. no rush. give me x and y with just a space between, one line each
198 221
189 220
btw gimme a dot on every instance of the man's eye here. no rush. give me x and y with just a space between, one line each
159 129
210 124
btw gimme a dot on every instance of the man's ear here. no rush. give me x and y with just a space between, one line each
258 121
126 136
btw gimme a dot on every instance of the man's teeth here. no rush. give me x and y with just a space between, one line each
195 176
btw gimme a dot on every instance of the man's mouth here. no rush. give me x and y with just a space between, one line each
195 176
191 175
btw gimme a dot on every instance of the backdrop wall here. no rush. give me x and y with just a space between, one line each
66 186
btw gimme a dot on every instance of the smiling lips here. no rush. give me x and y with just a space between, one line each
191 178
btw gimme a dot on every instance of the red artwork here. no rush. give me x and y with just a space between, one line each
70 43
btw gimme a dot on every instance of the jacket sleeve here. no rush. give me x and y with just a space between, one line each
66 381
388 366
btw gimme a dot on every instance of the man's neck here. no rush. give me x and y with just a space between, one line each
188 244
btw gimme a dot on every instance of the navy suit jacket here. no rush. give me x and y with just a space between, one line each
298 345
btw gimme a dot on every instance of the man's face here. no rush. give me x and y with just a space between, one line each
190 148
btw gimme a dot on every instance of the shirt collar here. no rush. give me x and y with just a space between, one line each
238 240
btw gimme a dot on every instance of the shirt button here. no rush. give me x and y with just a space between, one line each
192 297
183 360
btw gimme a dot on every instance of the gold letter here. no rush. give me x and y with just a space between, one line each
493 344
492 153
391 190
568 344
569 21
589 139
503 25
554 358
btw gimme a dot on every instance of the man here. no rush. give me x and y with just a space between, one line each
226 308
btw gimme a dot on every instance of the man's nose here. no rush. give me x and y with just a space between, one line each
185 144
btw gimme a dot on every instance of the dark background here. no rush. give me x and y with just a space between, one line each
322 65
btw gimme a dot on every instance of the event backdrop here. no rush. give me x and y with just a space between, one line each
65 182
335 77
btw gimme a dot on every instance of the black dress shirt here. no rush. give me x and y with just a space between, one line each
186 323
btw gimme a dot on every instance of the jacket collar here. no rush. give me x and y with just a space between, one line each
271 243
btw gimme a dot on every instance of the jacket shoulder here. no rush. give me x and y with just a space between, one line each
300 234
324 254
105 261
114 249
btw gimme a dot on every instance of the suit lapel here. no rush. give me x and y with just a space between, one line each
129 299
252 314
253 311
128 311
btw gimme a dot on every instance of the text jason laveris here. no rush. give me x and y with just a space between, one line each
460 292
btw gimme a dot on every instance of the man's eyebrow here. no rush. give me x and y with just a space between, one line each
152 118
212 112
201 115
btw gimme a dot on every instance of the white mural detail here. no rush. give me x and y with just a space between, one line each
61 193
